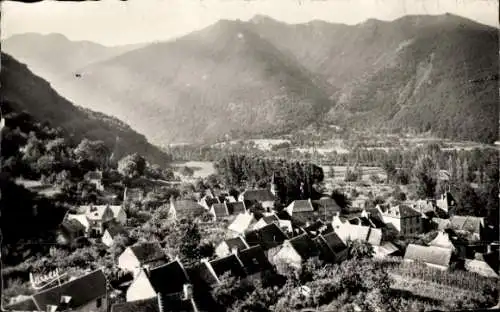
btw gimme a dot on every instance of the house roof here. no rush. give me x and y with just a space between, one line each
259 195
116 209
385 249
327 203
254 260
428 254
236 207
304 246
267 237
353 232
401 211
236 243
220 210
298 206
148 305
168 278
334 242
467 223
82 290
375 236
82 218
24 305
148 252
241 223
480 267
202 272
226 264
95 212
270 218
442 240
187 206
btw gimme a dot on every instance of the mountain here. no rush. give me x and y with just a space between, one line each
53 54
425 73
433 74
24 91
224 79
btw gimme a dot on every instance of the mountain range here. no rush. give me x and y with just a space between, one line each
435 74
23 91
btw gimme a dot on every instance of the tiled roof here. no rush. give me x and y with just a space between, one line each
187 207
230 264
334 242
168 278
148 305
202 272
241 223
428 254
148 252
259 195
304 246
353 232
236 243
254 260
327 203
300 206
467 223
267 237
220 210
236 207
81 290
401 211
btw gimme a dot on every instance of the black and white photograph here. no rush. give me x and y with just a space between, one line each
249 156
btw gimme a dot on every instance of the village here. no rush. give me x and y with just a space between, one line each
256 234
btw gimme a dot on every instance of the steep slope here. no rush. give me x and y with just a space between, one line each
416 72
51 55
23 91
222 80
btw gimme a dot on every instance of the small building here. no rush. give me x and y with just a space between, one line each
95 178
226 209
269 236
350 232
230 246
97 216
137 256
294 252
82 294
404 219
332 248
166 279
471 225
119 214
219 267
302 211
432 256
242 223
326 207
113 229
264 197
254 260
184 209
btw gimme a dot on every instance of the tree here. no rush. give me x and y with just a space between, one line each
190 241
132 166
358 249
341 199
95 152
186 171
425 173
390 170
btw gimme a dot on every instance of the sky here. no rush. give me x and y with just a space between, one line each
114 22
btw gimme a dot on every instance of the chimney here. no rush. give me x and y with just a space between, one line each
187 292
161 307
51 308
234 251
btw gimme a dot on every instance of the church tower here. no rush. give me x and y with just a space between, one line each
274 185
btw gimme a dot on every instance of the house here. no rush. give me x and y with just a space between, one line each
269 236
231 245
353 232
302 211
403 218
242 223
166 279
480 267
386 249
326 207
82 294
446 202
225 209
139 255
214 270
131 195
264 197
113 229
95 178
442 240
337 221
69 231
254 260
97 217
119 214
294 252
271 218
184 209
432 256
472 225
332 248
236 207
